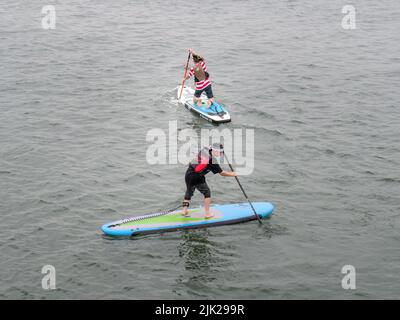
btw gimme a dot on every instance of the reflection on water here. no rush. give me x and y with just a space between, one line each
201 258
268 230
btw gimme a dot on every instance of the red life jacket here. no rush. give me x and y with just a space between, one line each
202 161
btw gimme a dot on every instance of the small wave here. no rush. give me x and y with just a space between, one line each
146 174
278 182
274 132
369 172
329 151
345 155
107 210
255 111
41 201
390 180
297 121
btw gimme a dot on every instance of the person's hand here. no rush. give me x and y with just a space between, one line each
191 50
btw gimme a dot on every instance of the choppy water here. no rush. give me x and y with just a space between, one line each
77 102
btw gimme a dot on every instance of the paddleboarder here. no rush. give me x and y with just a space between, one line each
201 79
195 176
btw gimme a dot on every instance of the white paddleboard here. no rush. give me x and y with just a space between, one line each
216 113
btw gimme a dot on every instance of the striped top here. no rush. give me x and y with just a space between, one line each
200 85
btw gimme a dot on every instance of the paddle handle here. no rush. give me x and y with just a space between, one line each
244 192
184 77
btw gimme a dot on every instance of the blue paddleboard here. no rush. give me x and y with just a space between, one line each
159 222
216 113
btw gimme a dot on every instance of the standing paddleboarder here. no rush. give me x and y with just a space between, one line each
201 79
195 176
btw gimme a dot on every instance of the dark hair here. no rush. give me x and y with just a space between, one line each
217 147
197 58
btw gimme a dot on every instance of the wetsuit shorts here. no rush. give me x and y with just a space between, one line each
195 181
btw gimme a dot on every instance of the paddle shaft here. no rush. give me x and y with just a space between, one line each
184 77
241 188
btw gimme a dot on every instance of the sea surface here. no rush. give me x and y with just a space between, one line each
77 103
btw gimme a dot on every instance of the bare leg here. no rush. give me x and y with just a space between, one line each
207 202
198 101
210 102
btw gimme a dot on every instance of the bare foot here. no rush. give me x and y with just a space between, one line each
185 214
208 216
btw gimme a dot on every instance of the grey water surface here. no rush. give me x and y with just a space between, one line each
76 104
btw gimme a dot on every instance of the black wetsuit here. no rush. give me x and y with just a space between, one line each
195 174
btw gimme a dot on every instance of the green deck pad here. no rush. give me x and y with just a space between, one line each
168 218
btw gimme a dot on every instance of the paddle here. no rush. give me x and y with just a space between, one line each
184 77
237 179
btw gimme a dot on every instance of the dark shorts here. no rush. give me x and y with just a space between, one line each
199 184
207 90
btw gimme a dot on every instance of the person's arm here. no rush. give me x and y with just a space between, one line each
228 174
190 73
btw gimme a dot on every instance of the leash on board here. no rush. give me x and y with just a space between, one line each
147 216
